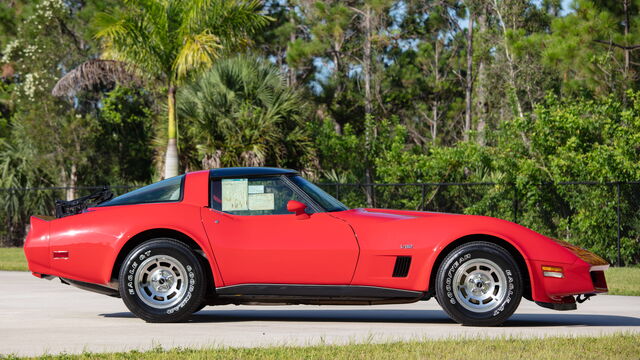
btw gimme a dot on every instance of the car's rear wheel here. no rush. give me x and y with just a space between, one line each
479 284
162 281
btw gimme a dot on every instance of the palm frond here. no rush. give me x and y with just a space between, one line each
109 26
170 38
95 73
233 20
198 51
133 37
243 108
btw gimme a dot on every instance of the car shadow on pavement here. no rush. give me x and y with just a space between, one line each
564 319
396 316
381 316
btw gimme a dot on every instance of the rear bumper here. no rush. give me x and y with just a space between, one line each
36 246
42 276
110 289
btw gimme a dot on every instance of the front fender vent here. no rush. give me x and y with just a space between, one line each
401 269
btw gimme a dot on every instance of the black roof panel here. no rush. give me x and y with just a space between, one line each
248 171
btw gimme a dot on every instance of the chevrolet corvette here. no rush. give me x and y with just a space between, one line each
268 236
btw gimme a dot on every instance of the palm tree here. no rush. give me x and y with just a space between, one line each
170 39
242 113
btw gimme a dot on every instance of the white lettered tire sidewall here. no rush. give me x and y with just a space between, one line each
479 251
191 299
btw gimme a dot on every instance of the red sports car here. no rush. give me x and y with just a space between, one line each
266 235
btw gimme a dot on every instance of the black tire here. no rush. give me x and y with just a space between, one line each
162 280
489 284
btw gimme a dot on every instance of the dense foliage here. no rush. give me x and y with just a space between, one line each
168 40
558 142
240 113
527 95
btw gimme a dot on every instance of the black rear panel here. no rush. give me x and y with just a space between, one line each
77 206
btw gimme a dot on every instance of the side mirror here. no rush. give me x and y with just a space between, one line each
298 208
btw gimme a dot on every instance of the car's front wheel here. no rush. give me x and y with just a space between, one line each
162 281
479 284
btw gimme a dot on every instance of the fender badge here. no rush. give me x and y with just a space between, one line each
406 246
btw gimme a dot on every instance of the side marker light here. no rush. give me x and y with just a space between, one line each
552 271
60 254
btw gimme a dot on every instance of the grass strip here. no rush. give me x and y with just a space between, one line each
618 346
624 281
12 259
621 281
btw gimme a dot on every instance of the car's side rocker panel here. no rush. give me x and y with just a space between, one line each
314 294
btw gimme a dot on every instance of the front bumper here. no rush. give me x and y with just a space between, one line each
585 276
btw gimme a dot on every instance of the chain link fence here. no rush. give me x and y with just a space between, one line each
601 217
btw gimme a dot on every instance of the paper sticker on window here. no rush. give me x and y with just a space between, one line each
256 189
235 194
261 202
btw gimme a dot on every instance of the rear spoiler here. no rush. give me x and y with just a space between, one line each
77 206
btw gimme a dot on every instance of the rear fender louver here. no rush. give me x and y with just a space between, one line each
401 269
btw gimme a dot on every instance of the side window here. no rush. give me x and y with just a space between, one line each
169 190
253 196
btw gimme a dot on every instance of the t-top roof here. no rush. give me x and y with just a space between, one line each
249 172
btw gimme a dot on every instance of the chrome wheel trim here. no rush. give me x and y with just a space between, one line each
479 285
161 281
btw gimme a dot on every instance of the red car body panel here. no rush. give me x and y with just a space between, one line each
380 241
353 247
94 239
36 246
280 249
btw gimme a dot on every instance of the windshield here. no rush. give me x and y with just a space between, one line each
168 190
325 200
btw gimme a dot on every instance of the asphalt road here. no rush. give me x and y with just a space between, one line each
46 317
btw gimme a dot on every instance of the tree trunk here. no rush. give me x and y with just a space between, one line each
434 122
366 72
627 54
171 156
292 39
469 78
481 85
72 183
436 85
366 61
510 61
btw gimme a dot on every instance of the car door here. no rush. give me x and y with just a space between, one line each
255 240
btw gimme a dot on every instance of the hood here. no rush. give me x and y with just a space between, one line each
432 231
379 216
